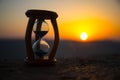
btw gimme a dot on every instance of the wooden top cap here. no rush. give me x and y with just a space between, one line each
44 14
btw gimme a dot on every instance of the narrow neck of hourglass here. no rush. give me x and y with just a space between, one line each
40 33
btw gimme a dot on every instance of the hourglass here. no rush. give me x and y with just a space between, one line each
38 52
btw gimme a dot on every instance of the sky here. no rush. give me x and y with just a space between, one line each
98 18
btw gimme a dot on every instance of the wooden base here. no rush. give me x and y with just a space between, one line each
44 61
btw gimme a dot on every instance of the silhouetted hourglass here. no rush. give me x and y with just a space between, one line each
40 47
39 51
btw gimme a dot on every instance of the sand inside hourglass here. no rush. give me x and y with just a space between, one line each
40 46
40 33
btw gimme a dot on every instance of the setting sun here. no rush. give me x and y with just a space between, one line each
83 36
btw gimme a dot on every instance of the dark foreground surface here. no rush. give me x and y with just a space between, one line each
102 68
75 61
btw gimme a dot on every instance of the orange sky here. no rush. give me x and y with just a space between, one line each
98 18
95 28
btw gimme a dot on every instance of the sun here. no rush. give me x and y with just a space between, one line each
83 36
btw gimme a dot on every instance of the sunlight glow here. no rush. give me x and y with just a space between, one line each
92 26
83 36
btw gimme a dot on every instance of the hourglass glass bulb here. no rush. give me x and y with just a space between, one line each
40 29
40 47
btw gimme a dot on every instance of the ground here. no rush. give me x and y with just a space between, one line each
102 68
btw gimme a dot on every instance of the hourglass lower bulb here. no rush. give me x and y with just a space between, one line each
40 48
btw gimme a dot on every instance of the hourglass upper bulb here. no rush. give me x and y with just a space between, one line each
40 29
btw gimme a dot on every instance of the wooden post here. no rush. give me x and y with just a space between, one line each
56 41
28 42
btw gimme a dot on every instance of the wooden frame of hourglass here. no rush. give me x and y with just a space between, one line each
40 15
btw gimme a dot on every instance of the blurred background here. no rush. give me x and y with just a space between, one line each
100 19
